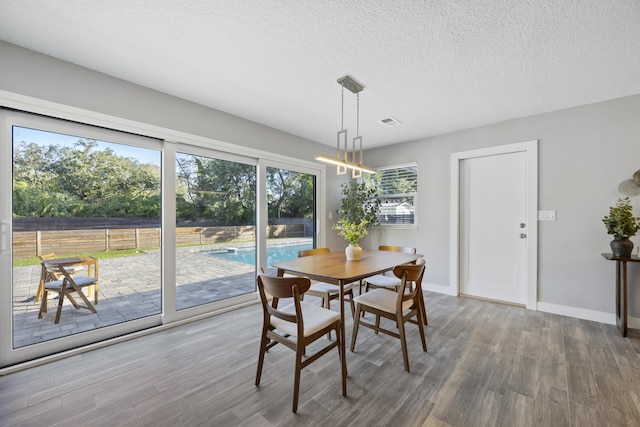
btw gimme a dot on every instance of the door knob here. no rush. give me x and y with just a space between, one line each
523 225
523 236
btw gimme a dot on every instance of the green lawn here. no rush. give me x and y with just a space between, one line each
23 262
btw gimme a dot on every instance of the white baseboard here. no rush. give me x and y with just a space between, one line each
432 287
563 310
579 313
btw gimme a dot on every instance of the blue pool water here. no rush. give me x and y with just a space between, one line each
274 253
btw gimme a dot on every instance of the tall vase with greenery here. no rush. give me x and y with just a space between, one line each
621 224
357 214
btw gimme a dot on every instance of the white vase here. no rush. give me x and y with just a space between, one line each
353 252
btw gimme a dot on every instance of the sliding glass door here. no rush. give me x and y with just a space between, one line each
215 227
169 230
291 201
91 198
216 224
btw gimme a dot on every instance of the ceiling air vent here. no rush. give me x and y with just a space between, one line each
390 121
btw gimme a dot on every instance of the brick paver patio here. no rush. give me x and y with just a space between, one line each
129 289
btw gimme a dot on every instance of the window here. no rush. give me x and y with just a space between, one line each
81 193
398 191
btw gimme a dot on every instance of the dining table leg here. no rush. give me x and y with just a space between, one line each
40 291
343 353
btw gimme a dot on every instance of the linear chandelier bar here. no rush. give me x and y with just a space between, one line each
341 160
346 164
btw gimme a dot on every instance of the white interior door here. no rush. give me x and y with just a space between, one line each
495 202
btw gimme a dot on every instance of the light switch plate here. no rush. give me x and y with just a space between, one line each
546 215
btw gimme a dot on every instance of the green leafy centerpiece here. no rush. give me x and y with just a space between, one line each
358 213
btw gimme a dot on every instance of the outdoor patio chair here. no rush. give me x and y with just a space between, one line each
66 286
53 275
296 325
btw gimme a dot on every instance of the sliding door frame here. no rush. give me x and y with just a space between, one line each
172 140
8 353
314 169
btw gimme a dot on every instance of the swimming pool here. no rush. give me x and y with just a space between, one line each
274 253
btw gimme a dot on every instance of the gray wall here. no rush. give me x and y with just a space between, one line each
29 73
584 153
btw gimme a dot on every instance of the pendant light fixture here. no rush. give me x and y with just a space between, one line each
341 160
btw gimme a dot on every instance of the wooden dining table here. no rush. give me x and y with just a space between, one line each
334 268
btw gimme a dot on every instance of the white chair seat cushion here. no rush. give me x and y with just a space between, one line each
315 318
381 299
383 281
80 282
328 288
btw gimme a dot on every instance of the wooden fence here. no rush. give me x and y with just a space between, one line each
28 244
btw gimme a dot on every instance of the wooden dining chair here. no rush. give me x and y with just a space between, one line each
67 286
327 291
296 326
400 307
387 281
53 275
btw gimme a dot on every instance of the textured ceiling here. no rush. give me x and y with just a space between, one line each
437 66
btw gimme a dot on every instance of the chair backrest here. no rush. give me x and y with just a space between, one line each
282 287
52 272
390 248
410 274
47 257
414 271
55 268
315 251
404 249
61 273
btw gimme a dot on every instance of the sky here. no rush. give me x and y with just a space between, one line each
45 138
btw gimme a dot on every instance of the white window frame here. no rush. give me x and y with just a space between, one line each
413 225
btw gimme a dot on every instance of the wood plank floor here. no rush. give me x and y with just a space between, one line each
487 365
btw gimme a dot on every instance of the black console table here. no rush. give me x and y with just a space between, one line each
621 289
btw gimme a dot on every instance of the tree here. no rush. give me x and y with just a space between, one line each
86 180
216 189
82 181
289 194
